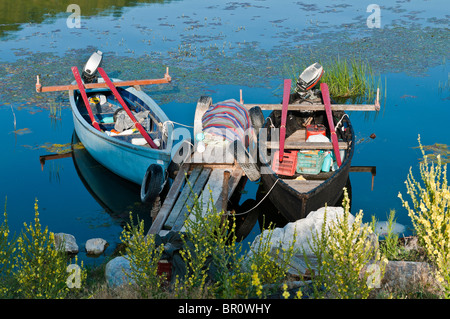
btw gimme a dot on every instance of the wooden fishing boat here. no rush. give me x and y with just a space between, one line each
122 127
297 184
298 194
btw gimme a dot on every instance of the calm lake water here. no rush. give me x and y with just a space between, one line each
212 48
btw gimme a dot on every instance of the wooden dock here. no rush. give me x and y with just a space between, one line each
216 181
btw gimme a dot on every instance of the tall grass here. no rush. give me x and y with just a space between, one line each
348 80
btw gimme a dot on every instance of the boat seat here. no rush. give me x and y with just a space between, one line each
306 145
128 138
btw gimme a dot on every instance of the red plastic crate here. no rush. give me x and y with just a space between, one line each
287 166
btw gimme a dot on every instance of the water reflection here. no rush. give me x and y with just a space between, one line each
13 14
117 196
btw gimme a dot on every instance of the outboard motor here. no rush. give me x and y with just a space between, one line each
309 78
90 69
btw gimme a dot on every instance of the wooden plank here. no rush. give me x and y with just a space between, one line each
213 154
40 88
316 107
235 177
169 201
307 145
197 189
182 198
297 136
212 190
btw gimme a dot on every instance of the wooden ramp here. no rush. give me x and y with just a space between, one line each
207 181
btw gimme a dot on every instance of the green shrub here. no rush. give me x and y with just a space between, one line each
41 269
347 259
7 249
143 257
430 214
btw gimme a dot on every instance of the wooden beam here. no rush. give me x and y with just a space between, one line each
317 107
181 201
197 189
169 201
368 169
40 88
307 145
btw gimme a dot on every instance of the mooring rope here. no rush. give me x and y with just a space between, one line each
238 214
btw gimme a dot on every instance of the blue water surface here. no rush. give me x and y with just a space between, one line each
215 48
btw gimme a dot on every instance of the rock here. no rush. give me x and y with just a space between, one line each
411 243
69 242
116 271
303 229
96 246
409 276
381 228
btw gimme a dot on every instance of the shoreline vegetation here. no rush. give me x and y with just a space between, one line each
32 267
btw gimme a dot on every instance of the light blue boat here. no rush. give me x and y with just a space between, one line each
125 154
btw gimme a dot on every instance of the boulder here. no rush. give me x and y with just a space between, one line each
303 229
66 242
116 271
96 246
381 228
409 276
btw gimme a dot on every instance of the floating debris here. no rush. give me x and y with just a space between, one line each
21 131
57 148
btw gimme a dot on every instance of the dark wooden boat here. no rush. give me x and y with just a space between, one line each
295 193
294 197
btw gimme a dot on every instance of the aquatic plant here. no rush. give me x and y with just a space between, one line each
349 265
429 214
352 79
437 149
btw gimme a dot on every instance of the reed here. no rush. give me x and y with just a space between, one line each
348 79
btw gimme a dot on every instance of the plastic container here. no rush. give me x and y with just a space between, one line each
287 166
315 129
327 162
310 162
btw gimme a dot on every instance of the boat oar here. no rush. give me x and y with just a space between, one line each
80 85
327 104
125 107
284 109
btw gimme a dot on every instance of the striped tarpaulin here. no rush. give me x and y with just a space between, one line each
227 119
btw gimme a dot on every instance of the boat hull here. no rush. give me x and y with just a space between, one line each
122 158
293 204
